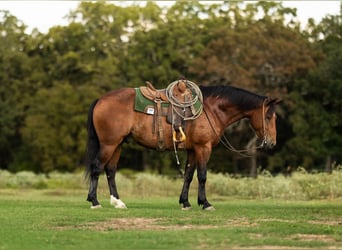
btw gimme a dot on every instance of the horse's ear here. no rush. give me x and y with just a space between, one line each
271 100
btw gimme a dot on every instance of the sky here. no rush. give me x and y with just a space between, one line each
46 14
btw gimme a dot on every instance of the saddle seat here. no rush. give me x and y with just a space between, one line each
153 94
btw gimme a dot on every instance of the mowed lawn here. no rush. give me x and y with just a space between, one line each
62 219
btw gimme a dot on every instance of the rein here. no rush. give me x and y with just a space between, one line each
226 143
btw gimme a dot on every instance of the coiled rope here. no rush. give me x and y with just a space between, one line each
176 103
179 106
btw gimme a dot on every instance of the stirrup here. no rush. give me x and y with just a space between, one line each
183 136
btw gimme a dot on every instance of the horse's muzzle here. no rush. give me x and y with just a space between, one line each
269 144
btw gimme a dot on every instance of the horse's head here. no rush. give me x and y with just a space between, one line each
263 120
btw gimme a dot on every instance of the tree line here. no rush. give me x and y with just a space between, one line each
48 80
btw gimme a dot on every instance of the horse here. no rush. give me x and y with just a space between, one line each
112 118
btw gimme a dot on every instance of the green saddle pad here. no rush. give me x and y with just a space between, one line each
144 105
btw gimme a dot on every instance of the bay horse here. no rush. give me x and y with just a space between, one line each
112 118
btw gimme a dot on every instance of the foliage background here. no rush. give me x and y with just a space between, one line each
49 80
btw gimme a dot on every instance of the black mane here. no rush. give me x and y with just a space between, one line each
242 98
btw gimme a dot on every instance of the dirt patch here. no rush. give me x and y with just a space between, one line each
240 222
313 237
152 224
136 224
270 248
329 223
276 220
163 224
317 222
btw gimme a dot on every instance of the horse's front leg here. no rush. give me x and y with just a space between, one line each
110 173
202 157
202 178
188 176
189 173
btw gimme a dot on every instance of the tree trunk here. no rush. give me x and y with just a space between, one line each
328 165
251 146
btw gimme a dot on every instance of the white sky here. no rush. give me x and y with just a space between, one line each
46 14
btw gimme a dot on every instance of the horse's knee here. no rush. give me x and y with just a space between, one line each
189 173
202 175
188 177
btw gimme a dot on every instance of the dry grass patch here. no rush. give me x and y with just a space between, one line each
313 237
329 223
136 224
153 224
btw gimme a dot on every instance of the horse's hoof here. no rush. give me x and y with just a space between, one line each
96 206
210 208
117 203
186 208
121 206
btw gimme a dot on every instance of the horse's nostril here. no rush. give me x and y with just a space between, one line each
269 144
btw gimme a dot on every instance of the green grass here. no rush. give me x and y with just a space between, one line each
61 219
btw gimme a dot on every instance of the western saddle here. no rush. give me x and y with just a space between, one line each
176 94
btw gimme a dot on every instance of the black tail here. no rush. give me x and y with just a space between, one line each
93 144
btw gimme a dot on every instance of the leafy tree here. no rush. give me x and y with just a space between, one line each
55 128
80 62
262 54
161 53
317 106
49 80
15 67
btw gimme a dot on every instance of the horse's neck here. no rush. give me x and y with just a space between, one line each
232 114
223 116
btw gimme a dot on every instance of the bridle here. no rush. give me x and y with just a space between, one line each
243 152
264 139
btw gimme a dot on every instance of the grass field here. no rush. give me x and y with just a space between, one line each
58 218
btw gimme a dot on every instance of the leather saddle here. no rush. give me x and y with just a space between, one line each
158 96
153 94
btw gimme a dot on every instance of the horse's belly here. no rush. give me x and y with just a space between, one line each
149 135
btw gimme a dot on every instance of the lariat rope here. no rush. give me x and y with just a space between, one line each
182 105
176 103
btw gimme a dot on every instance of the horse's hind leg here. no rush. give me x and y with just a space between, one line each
110 169
97 166
94 178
